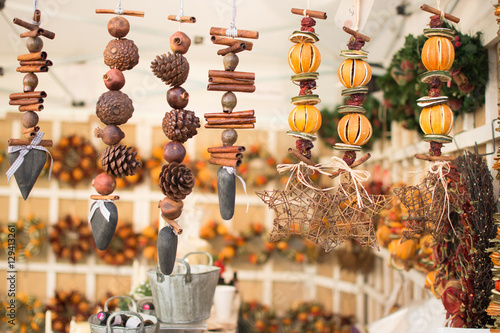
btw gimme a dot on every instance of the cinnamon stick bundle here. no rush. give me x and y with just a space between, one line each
34 94
241 33
227 149
31 107
230 121
231 87
125 12
235 48
225 80
232 74
104 197
235 126
237 114
311 13
24 142
36 63
225 162
32 69
183 19
46 33
32 56
26 101
229 156
218 40
33 33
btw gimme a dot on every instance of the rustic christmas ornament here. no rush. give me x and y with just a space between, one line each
103 218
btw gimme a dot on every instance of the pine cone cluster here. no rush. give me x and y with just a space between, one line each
176 180
180 125
173 69
120 161
114 108
121 54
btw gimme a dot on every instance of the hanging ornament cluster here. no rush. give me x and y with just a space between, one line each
113 108
229 156
176 179
27 156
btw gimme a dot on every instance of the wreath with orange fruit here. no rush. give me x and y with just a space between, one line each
75 160
30 234
148 242
68 304
71 239
258 167
123 247
29 314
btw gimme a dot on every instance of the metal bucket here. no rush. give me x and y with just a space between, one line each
96 328
187 294
140 304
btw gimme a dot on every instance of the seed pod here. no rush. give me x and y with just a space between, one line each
114 79
118 27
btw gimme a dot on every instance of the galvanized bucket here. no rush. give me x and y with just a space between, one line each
187 294
96 328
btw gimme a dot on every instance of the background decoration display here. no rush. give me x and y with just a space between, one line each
68 304
31 234
30 314
123 248
71 239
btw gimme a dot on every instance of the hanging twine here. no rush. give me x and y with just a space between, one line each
181 13
23 150
357 14
308 6
119 10
99 204
441 169
232 171
35 8
444 7
232 31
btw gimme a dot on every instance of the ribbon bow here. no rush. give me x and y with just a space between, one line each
99 204
232 171
23 150
441 169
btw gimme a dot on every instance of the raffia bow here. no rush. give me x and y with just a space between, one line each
99 204
441 169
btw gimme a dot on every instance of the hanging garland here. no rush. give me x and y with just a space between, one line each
29 315
66 305
75 160
71 239
123 247
402 87
31 233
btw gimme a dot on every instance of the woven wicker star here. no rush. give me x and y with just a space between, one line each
417 200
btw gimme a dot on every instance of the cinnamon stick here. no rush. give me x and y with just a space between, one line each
238 114
218 40
34 94
230 121
241 33
356 34
35 63
32 69
46 33
301 157
353 165
229 156
183 19
23 142
225 80
125 12
310 13
231 87
105 197
235 48
177 228
30 135
37 16
225 162
434 158
235 126
227 149
26 101
232 75
31 107
33 33
32 56
31 129
432 10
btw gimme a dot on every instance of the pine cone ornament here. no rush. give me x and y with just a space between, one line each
120 161
176 180
114 108
173 69
180 125
121 54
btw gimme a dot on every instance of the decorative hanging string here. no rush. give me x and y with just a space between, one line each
357 14
308 6
35 8
444 7
119 10
23 150
232 171
181 13
441 169
232 31
99 204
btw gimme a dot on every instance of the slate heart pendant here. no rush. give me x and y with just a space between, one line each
28 172
226 187
103 230
167 249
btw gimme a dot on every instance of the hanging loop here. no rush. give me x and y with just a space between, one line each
119 10
232 31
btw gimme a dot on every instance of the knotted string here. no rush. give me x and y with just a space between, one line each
99 204
441 169
181 13
357 13
232 171
444 7
232 31
35 8
119 10
308 6
23 150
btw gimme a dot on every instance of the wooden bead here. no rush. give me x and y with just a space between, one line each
180 42
229 137
110 135
170 209
354 129
118 27
29 119
30 82
114 79
34 44
174 152
228 102
436 119
104 184
230 61
354 73
305 118
304 58
438 54
177 98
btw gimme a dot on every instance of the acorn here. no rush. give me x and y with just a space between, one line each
114 79
29 119
180 42
110 135
34 44
230 61
229 137
118 27
228 102
174 152
104 184
30 82
170 209
177 98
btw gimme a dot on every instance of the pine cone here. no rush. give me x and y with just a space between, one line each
180 125
120 161
173 69
114 108
176 180
121 54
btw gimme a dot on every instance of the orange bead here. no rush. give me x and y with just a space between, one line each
304 58
354 129
437 119
354 73
305 118
438 54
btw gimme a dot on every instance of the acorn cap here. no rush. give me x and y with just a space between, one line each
344 147
439 32
427 101
304 77
303 37
350 109
427 77
306 100
355 90
302 135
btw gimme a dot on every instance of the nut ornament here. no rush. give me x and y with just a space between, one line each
121 54
114 108
180 125
120 161
173 69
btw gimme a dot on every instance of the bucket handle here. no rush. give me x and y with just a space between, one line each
134 304
160 277
109 328
210 259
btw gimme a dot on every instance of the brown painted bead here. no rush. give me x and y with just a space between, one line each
177 98
30 82
174 152
228 102
110 135
118 27
114 79
104 184
170 209
180 42
229 137
29 119
230 61
34 44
